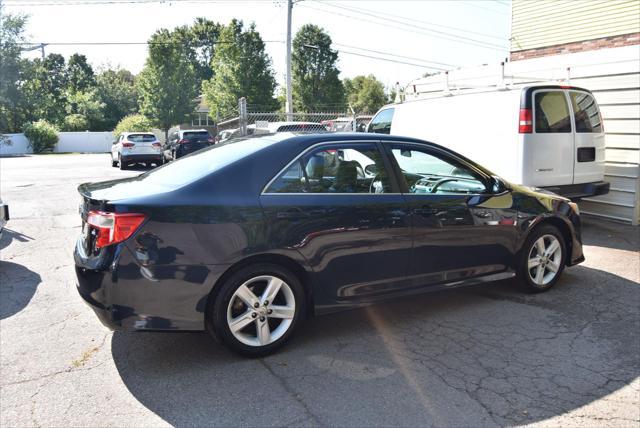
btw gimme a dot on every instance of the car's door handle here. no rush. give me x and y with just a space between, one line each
425 211
291 214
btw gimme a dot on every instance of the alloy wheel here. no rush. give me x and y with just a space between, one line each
544 260
261 310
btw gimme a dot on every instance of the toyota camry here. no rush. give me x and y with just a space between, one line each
246 239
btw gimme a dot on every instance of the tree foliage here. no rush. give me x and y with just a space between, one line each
42 135
167 84
11 34
75 122
117 92
316 82
80 75
241 68
365 94
199 42
133 123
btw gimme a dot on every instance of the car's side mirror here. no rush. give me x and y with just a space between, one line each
497 185
371 169
405 153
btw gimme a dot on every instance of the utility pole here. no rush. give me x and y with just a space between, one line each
289 103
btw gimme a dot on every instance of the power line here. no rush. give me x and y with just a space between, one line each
386 15
395 55
387 25
390 60
437 32
28 3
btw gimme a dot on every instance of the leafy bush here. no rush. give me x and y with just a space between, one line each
76 122
42 135
133 123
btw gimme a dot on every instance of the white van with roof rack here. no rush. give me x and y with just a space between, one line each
542 135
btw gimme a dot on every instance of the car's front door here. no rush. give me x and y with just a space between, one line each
461 229
338 206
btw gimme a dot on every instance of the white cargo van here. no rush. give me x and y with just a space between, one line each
547 136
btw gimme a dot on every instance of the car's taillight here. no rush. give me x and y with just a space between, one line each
113 227
211 140
156 144
525 124
128 145
182 141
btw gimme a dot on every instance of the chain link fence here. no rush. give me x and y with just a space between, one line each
251 121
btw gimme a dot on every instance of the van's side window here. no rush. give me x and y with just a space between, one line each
585 112
381 123
551 112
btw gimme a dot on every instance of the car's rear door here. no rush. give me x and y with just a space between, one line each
461 229
345 216
548 152
589 161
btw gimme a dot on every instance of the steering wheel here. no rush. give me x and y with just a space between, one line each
441 182
373 188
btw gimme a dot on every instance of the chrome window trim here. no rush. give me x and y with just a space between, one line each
307 150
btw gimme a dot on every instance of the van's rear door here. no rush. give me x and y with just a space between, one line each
548 158
588 138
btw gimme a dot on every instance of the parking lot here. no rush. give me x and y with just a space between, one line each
482 356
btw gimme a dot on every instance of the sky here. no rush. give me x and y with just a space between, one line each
449 33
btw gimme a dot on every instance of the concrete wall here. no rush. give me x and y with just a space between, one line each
82 142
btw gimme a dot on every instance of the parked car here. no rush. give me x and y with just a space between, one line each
224 135
274 127
345 124
4 215
547 136
136 147
246 239
185 141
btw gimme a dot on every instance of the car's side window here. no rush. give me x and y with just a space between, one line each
428 172
381 123
551 112
335 168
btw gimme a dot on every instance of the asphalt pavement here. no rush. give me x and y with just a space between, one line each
480 356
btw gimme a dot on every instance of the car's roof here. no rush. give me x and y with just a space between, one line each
140 132
193 130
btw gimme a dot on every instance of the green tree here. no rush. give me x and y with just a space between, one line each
133 123
241 68
199 41
316 82
11 34
75 122
44 89
167 84
117 92
80 75
365 94
88 105
42 135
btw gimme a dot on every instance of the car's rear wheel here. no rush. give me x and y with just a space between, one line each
257 309
114 163
121 163
542 259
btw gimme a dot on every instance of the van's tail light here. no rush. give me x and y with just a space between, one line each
128 145
525 124
113 227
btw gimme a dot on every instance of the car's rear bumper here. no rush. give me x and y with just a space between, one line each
187 148
582 190
142 157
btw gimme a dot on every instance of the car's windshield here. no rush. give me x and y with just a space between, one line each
199 135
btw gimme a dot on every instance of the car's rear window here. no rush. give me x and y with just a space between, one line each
193 167
196 135
141 138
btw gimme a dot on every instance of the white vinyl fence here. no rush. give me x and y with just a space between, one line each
81 142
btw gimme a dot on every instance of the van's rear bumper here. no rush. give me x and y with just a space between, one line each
582 190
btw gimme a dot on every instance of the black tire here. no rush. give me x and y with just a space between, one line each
218 325
113 163
122 164
525 274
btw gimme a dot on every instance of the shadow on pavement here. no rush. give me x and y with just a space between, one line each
17 286
481 356
9 236
608 234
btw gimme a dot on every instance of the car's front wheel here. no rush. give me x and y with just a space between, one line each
257 309
542 259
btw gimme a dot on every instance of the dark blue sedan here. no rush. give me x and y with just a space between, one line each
247 238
